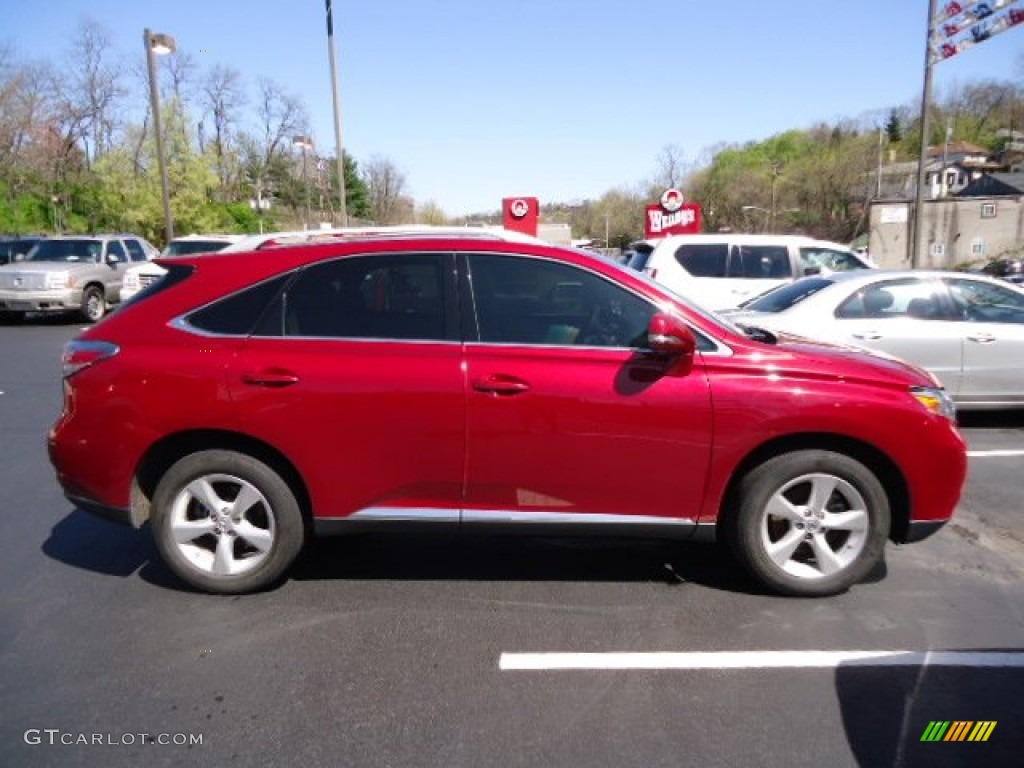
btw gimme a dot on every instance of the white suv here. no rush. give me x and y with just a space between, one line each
722 270
137 278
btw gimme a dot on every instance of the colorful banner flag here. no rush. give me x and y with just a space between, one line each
982 21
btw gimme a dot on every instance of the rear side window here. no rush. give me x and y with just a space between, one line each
395 297
704 259
909 297
237 314
760 262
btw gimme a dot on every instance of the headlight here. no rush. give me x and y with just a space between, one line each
131 280
58 280
935 400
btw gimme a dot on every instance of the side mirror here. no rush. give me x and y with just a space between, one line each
812 270
112 259
669 336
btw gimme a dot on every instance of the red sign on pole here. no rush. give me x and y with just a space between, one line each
521 214
672 216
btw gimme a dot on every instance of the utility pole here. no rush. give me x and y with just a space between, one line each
343 210
917 241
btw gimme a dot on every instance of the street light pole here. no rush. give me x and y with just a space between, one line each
159 44
343 210
305 143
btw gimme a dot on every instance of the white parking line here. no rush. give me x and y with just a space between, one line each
984 454
757 660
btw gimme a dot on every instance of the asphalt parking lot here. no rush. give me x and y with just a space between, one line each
405 651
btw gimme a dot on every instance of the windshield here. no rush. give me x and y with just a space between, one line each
66 250
188 247
785 296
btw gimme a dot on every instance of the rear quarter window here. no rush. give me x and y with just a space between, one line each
238 314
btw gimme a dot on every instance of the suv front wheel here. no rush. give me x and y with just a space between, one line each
226 523
810 523
94 304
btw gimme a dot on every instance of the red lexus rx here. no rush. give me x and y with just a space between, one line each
249 400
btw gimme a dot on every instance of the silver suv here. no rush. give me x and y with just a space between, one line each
71 274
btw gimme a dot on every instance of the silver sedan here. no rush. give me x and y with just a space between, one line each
966 329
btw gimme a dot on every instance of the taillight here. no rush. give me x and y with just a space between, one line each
79 354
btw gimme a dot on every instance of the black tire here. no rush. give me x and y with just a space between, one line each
789 482
94 305
260 541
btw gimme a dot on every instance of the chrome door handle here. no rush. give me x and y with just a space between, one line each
500 385
270 377
982 338
867 335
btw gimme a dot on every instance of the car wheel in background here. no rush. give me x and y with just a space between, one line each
94 305
226 523
810 523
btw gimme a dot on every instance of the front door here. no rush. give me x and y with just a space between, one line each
569 420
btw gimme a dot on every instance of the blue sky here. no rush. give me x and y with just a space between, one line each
562 99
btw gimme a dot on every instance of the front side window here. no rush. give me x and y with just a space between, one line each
985 303
397 296
830 259
522 300
135 249
909 297
703 259
115 249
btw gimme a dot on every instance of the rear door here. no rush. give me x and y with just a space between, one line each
355 373
569 420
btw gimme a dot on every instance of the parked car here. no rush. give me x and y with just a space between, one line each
142 275
1011 270
14 249
80 273
967 329
722 270
481 381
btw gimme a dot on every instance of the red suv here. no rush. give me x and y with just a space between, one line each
248 400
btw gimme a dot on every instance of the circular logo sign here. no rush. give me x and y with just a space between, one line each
519 208
671 200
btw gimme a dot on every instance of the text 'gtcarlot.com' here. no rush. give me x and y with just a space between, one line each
56 736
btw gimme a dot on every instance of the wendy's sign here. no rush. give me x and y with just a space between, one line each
520 214
672 216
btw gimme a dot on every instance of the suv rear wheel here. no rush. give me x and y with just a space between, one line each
226 522
810 523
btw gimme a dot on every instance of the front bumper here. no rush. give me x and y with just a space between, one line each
60 300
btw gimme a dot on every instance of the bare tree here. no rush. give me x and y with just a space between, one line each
429 212
671 167
223 97
281 114
386 185
181 71
96 88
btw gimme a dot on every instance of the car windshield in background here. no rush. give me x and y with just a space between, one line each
15 250
785 296
66 250
189 247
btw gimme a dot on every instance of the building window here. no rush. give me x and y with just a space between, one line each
977 247
988 210
938 249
